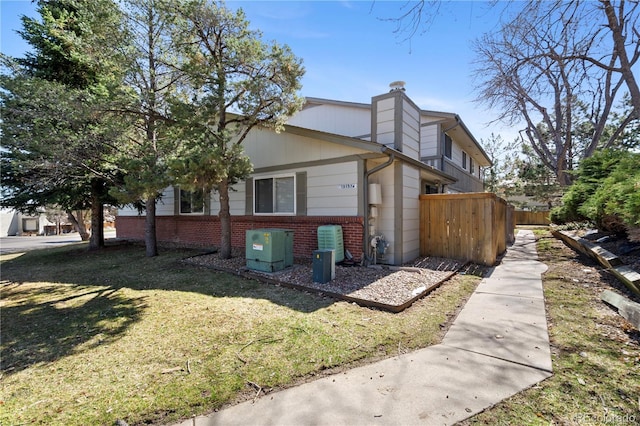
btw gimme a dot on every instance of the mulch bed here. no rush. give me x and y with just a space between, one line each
385 287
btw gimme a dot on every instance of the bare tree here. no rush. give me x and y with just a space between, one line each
533 70
617 21
623 26
557 66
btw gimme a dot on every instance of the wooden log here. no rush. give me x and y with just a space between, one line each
600 255
629 277
604 257
628 309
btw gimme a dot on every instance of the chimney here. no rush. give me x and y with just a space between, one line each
395 120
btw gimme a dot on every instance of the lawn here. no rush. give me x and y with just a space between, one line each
595 352
92 337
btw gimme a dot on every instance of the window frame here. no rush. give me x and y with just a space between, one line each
448 146
191 213
274 177
464 160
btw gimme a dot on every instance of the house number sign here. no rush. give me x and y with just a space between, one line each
347 186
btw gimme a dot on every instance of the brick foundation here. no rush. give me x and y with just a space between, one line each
204 231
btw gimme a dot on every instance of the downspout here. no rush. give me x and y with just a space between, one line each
365 238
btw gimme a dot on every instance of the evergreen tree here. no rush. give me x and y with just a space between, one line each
59 141
235 82
153 74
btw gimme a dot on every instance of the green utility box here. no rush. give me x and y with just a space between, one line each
269 250
330 238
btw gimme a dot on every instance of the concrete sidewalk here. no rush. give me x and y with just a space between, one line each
496 347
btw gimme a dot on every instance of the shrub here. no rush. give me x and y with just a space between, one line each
606 191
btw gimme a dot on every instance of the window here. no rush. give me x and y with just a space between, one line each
447 146
464 160
275 195
472 167
191 202
30 225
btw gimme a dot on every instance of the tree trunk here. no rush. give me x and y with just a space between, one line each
564 178
150 239
619 43
225 220
78 225
96 242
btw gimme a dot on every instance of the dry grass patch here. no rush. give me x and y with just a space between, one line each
88 338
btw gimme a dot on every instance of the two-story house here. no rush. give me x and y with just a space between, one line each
360 166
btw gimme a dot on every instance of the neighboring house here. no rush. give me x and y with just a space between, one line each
361 166
13 223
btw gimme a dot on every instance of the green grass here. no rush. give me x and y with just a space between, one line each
595 353
88 338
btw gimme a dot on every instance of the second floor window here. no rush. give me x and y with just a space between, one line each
464 160
472 167
448 143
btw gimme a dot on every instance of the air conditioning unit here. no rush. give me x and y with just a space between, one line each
269 250
330 238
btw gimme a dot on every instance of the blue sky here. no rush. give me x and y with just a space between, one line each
351 53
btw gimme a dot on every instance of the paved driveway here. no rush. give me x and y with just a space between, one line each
21 244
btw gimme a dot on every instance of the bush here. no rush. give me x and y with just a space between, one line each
606 191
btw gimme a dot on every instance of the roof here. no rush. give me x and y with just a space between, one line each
451 123
374 147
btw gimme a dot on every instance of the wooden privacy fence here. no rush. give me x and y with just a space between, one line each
521 217
476 227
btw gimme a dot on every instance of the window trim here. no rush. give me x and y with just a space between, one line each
464 160
274 177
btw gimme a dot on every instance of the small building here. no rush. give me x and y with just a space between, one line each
360 166
14 223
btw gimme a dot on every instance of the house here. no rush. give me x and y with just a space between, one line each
360 166
13 222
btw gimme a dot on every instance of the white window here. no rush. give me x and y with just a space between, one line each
472 167
275 195
191 202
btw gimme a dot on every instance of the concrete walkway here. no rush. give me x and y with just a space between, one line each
496 347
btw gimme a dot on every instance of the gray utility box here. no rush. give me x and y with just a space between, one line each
324 266
269 250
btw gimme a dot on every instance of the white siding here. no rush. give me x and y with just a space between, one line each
164 206
410 130
456 154
267 148
385 124
329 191
410 214
332 190
127 211
236 201
338 119
429 138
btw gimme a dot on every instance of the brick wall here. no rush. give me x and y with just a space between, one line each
205 230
